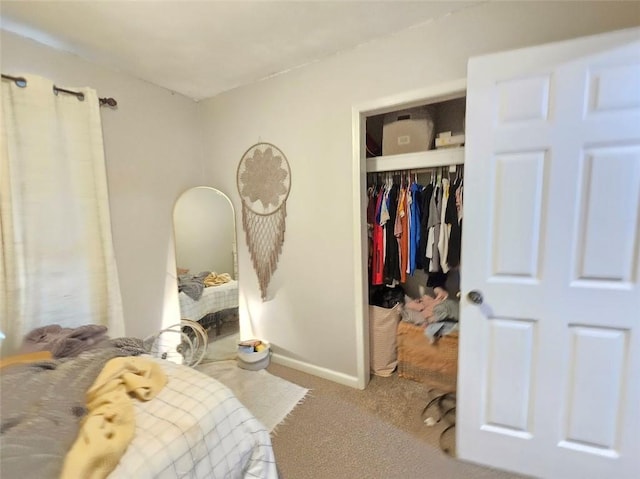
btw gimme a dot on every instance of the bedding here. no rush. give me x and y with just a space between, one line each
43 404
213 299
194 428
109 425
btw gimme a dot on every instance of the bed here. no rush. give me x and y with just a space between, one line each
217 305
213 299
194 427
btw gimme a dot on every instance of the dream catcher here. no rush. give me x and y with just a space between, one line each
264 181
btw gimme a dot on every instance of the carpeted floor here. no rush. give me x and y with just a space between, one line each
223 349
379 433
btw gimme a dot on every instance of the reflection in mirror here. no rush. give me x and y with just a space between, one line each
205 242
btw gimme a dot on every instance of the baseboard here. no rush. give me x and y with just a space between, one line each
323 373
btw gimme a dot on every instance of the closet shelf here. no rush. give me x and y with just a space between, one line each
414 161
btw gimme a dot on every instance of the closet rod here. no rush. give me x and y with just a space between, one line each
418 171
22 83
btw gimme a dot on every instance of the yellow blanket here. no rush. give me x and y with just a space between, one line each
215 279
109 425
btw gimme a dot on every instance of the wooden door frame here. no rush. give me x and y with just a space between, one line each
436 93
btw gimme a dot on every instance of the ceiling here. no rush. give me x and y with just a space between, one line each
202 48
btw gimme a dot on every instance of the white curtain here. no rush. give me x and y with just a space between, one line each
57 264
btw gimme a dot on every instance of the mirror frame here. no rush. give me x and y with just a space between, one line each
234 260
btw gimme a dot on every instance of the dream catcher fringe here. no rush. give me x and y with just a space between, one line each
265 237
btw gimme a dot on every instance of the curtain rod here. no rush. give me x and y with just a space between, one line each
22 83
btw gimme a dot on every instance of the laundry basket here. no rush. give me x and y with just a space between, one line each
383 323
433 364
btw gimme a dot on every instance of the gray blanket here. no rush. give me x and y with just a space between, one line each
447 315
192 284
448 309
64 342
42 407
435 331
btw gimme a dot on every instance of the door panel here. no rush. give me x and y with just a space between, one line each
607 241
598 357
510 368
548 374
614 88
523 100
516 241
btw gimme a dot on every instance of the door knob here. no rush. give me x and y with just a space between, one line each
475 297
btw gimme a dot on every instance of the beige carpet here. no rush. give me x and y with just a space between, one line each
379 433
270 398
222 349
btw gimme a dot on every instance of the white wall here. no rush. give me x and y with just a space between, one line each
153 153
307 113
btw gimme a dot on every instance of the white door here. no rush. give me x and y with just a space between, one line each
549 374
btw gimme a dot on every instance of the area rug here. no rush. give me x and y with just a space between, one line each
270 398
222 349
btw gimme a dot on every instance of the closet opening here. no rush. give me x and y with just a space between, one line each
411 144
409 151
414 233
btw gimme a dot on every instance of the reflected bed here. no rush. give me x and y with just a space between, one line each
218 304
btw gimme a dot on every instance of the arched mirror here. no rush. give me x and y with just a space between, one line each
206 261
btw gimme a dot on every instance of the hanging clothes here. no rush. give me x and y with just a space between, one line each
400 231
435 218
411 227
414 234
410 243
371 218
443 237
406 225
392 260
377 266
459 192
455 224
421 257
